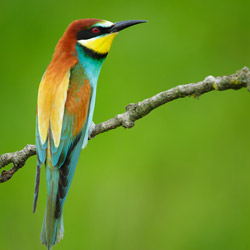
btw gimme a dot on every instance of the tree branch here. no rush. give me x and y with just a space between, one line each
17 158
135 111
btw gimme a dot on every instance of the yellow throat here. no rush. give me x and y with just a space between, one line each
99 45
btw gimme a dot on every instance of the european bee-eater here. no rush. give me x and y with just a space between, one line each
66 101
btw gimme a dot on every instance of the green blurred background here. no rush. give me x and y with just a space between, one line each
179 180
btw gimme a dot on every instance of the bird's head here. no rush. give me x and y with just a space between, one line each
95 36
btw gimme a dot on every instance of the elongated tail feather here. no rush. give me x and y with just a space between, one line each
52 230
59 232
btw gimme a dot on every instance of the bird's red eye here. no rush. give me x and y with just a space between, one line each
95 30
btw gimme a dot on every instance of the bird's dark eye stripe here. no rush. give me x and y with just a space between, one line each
87 34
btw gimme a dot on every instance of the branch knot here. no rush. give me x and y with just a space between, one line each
125 120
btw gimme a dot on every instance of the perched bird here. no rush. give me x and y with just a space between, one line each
66 101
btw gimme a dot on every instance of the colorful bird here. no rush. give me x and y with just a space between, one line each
66 101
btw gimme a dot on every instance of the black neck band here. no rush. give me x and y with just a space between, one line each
91 53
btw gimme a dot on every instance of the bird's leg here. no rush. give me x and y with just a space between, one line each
91 129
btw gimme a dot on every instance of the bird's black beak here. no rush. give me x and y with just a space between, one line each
124 24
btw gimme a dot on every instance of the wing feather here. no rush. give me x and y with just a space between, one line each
57 109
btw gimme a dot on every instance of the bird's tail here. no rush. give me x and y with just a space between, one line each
52 230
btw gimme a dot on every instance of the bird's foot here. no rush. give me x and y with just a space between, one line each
91 129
